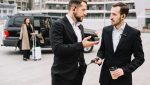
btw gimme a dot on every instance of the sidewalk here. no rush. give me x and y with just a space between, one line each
15 71
1 33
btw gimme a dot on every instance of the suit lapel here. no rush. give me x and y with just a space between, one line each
123 37
110 38
82 32
69 28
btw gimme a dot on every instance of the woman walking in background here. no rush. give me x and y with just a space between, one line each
25 35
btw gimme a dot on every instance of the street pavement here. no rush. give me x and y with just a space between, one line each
15 71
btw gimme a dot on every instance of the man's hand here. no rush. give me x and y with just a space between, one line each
118 72
99 61
87 43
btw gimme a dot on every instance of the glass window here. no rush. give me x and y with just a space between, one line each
10 11
5 11
45 22
10 21
36 22
18 3
18 21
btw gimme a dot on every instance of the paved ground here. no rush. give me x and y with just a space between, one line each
14 71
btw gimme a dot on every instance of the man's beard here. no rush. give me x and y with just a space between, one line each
77 18
118 23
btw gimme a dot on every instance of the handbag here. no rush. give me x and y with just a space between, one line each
19 44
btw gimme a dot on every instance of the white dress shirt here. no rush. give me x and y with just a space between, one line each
75 28
116 35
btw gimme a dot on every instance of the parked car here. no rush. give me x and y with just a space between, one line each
42 24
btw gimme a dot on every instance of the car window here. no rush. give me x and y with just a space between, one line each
18 21
10 21
45 22
54 19
36 22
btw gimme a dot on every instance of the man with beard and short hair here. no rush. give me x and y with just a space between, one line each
68 45
119 42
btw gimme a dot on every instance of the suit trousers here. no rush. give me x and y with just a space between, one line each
59 80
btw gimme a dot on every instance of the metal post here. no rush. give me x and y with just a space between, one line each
104 11
40 6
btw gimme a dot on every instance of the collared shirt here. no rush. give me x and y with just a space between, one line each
116 35
75 28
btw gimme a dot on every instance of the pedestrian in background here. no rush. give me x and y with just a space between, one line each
68 45
119 42
25 36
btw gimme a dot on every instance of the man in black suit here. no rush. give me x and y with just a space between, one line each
119 42
69 65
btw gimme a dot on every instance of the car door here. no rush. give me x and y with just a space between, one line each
42 26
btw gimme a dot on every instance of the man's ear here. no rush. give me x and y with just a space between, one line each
74 8
123 16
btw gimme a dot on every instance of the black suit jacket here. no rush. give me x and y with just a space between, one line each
130 43
68 53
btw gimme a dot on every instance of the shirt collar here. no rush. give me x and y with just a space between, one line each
121 28
71 21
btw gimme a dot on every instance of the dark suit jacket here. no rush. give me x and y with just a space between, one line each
69 60
130 43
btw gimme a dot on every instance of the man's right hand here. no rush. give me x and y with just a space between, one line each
87 43
98 61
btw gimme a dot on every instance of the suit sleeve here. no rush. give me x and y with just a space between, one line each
138 55
101 50
58 47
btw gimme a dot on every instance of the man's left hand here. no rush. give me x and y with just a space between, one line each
118 72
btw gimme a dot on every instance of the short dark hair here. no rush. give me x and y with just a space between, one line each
77 3
124 9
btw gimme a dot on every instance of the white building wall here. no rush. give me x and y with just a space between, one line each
7 8
98 24
140 13
147 5
140 7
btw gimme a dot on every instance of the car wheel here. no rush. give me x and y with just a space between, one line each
88 49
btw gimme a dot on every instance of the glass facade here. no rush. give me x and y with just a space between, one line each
95 8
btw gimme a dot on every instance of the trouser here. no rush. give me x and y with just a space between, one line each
59 80
26 54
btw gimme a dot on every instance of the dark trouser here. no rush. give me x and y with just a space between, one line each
59 80
26 54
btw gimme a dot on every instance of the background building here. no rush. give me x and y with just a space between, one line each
1 1
143 13
21 4
38 4
98 11
7 9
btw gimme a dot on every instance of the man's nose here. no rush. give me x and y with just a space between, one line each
85 13
110 17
